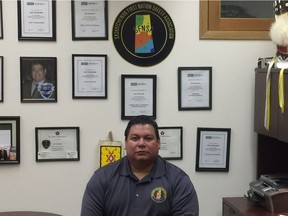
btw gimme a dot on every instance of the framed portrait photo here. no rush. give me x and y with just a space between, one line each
89 19
1 20
1 79
194 88
38 79
57 143
37 20
9 139
171 142
89 76
138 95
213 149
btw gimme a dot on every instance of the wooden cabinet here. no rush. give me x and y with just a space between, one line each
279 121
272 145
240 206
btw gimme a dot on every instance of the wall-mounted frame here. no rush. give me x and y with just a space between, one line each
89 20
57 143
212 26
194 88
1 78
89 76
213 149
171 143
38 79
9 139
1 20
138 95
37 20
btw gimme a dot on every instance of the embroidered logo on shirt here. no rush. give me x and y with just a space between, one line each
159 194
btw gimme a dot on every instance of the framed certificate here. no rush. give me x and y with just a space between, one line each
89 19
171 146
194 88
37 20
89 76
9 139
213 149
1 20
38 79
138 95
1 79
57 144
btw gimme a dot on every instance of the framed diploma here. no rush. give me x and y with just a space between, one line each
9 139
1 20
194 88
89 19
89 76
37 20
213 149
57 144
171 142
1 79
138 95
38 79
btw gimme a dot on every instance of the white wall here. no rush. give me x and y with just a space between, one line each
58 186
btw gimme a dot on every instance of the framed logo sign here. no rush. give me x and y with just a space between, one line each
143 33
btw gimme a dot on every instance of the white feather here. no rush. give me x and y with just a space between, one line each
279 30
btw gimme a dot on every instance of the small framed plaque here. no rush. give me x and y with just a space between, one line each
1 79
9 139
213 149
89 19
89 76
37 20
1 20
194 88
38 79
171 146
138 95
57 144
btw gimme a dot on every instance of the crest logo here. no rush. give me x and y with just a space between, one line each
159 194
46 90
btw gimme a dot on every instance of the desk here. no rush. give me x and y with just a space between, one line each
240 206
27 213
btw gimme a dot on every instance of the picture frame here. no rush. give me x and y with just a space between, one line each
9 139
1 78
89 20
212 26
36 22
89 76
171 142
1 20
194 88
138 95
57 143
213 149
38 79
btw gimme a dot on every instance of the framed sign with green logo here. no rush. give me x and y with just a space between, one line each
143 33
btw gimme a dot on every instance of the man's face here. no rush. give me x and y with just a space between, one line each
142 143
38 73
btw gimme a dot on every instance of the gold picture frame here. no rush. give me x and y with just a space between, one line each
212 26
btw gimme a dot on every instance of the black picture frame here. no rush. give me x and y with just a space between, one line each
1 21
57 144
33 30
139 96
194 88
1 78
89 76
93 30
171 142
10 139
213 149
46 89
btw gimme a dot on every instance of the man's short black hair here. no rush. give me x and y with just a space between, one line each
142 119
